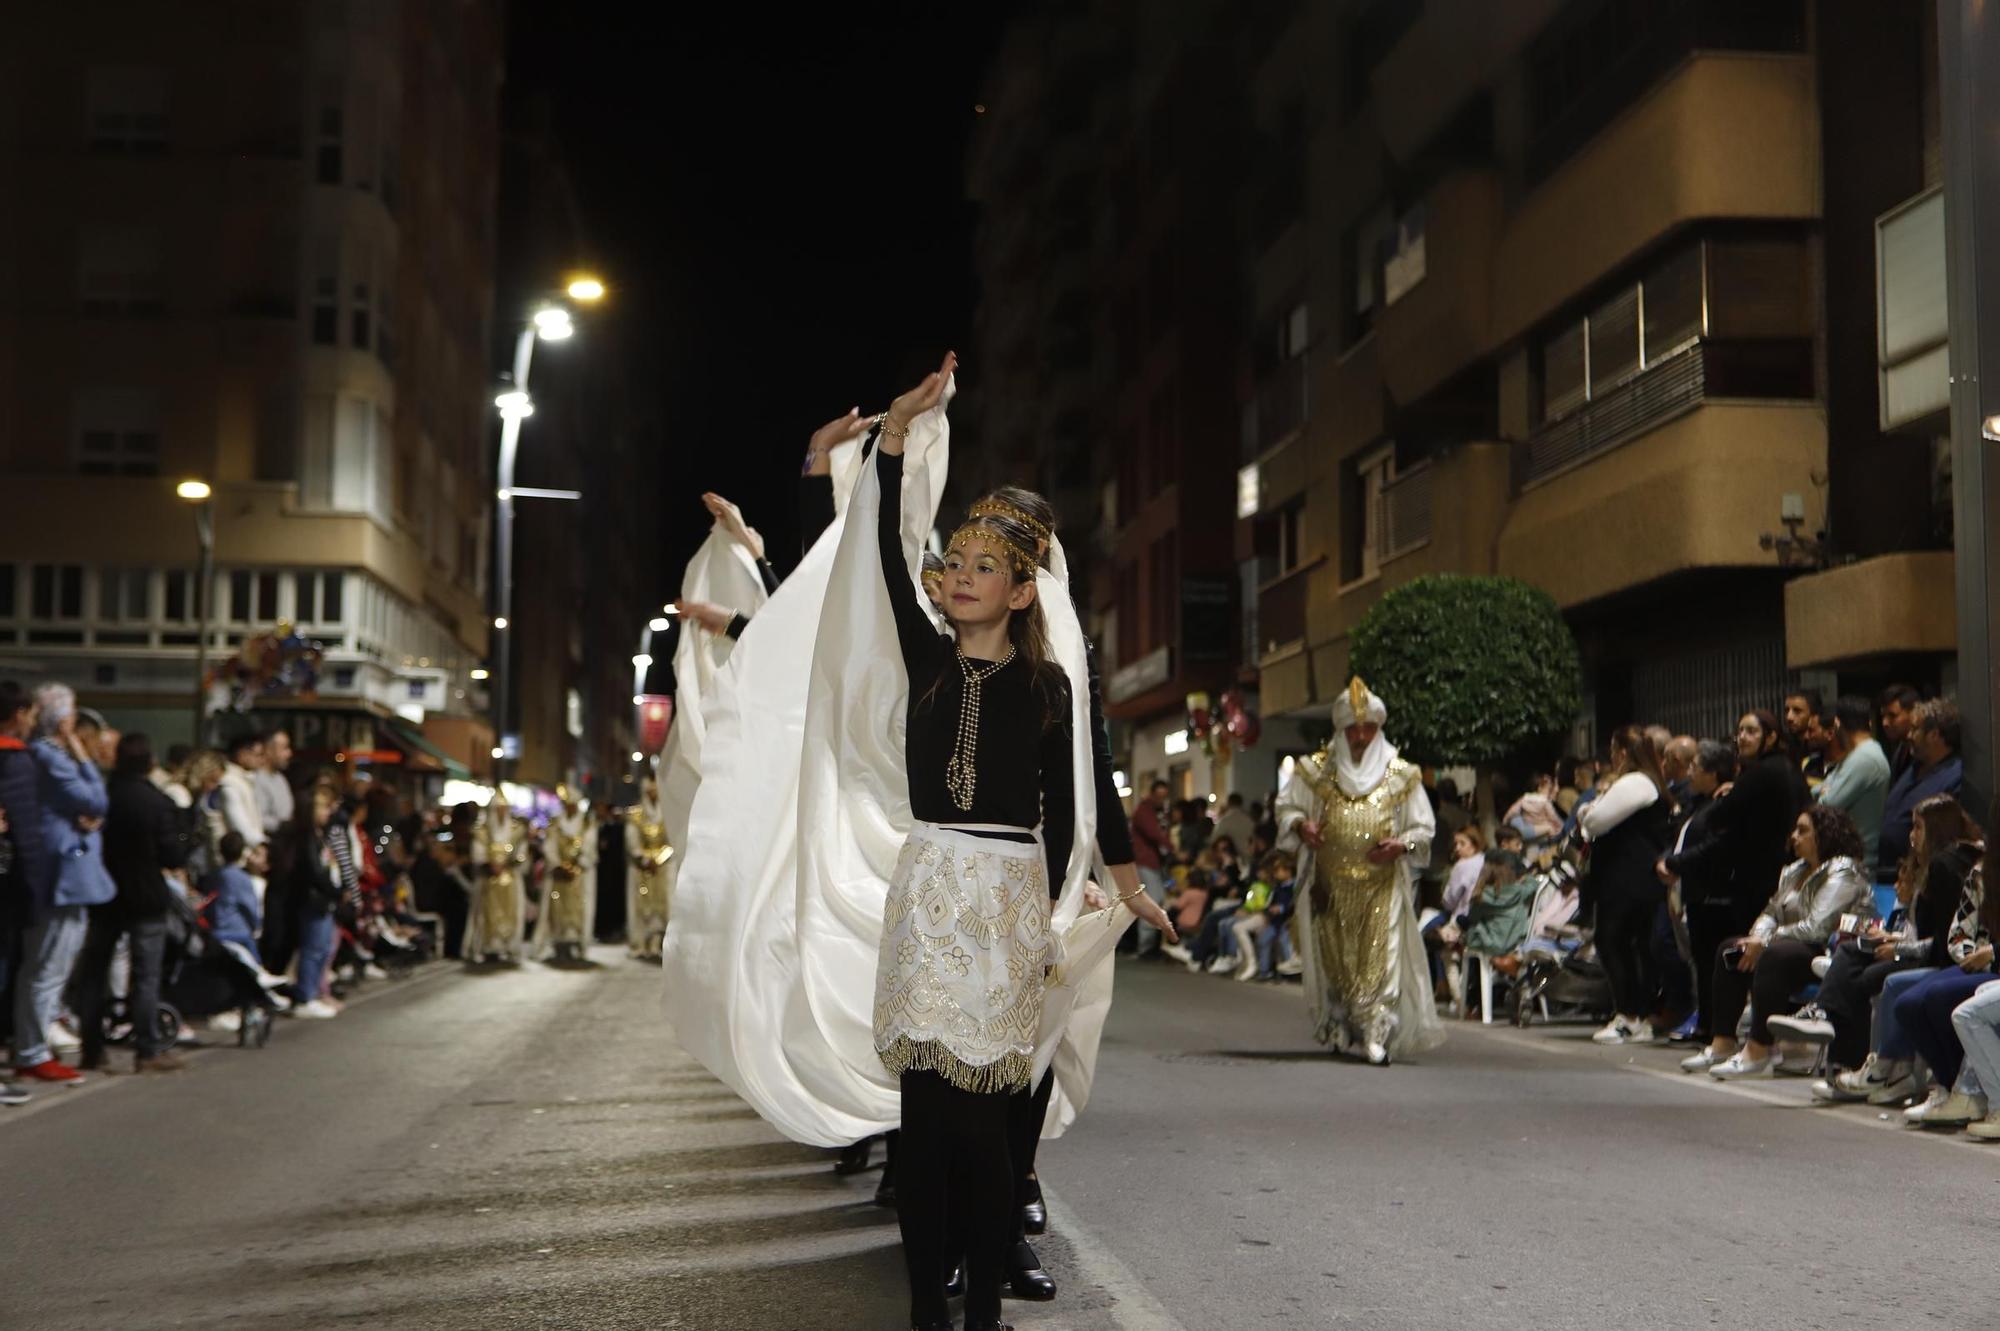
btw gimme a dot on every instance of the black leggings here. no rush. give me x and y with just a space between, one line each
1783 970
1625 948
1025 1114
952 1160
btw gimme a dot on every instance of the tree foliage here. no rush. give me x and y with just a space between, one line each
1475 670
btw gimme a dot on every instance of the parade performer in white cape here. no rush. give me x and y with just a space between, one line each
1360 816
569 905
499 915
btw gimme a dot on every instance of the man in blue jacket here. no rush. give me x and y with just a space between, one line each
65 876
1935 770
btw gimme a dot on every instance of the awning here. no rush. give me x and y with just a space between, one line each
425 756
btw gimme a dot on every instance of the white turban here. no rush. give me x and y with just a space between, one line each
1358 706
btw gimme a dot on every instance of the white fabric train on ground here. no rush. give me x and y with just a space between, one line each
721 573
800 815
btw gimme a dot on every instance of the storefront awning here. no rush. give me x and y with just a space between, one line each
425 756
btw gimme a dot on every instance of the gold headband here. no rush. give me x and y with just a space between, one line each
1022 560
931 575
1000 508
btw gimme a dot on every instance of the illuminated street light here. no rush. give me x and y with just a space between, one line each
586 289
193 491
500 621
481 673
658 624
642 660
552 324
515 405
202 496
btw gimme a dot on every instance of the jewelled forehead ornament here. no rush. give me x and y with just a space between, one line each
1002 543
1000 508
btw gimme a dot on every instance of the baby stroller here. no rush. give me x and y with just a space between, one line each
1561 977
203 976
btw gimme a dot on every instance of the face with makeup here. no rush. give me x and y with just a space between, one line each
980 585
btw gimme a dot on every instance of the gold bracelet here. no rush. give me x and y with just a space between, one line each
1135 892
889 428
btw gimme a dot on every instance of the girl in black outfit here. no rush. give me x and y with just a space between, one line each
965 934
1746 845
1627 826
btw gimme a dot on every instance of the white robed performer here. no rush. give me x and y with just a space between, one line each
1360 816
788 1026
723 572
647 852
497 922
562 931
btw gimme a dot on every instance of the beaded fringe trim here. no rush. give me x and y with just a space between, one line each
1011 1072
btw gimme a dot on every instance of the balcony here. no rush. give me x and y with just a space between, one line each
1888 606
1692 491
1674 387
1441 325
1723 135
1281 612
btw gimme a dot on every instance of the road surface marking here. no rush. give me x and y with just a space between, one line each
1134 1308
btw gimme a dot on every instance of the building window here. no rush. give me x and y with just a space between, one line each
1291 535
326 311
1565 371
124 595
330 611
6 592
117 432
327 159
126 110
58 592
1363 481
180 600
239 597
118 271
1614 341
1674 305
1366 248
1405 259
267 598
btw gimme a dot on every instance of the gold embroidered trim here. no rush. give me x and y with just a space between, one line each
1010 1073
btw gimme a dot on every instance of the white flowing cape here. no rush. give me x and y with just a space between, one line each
721 573
802 810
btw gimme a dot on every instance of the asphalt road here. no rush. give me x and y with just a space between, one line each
531 1149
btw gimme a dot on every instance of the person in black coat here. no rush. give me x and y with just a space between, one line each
1744 846
1707 885
1627 826
145 839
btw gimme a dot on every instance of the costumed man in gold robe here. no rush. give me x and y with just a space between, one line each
562 932
646 881
1358 816
500 913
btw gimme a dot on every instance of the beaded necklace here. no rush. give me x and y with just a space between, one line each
960 778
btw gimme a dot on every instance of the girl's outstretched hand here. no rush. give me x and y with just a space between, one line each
731 518
915 403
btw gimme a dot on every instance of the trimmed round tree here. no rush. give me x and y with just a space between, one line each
1476 671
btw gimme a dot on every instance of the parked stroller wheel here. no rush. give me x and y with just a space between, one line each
167 1024
255 1032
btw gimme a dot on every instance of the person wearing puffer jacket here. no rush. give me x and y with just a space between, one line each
65 876
1829 880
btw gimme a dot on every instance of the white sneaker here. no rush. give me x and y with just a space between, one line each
1378 1053
1835 1090
1810 1024
1821 965
1178 951
228 1022
63 1037
1701 1060
316 1010
1914 1115
1639 1032
1957 1110
1292 966
1615 1032
1897 1088
1222 965
280 1003
1987 1129
1740 1065
270 981
373 971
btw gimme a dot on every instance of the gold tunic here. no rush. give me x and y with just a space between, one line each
1356 926
649 887
500 899
567 899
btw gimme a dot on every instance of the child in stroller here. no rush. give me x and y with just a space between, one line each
213 967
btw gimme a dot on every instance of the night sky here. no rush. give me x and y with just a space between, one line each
777 195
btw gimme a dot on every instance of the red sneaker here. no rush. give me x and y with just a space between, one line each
51 1070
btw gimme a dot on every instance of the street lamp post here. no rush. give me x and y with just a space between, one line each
201 496
551 323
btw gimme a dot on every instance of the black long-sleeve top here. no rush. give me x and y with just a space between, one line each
1114 833
144 833
1023 745
1750 827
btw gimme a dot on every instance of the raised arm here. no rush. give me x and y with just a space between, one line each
1058 780
1114 833
921 643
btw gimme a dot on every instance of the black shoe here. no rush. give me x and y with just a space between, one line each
945 1325
954 1284
885 1193
854 1159
1035 1214
1025 1277
988 1325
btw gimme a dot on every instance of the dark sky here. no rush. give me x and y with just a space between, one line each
778 197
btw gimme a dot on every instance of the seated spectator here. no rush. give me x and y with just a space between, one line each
1935 770
1254 928
1509 838
1497 917
1441 927
1535 815
1923 1010
1552 928
235 910
1208 945
1977 1021
1188 902
1771 964
1944 847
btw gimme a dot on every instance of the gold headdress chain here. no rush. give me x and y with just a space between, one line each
1000 508
1022 560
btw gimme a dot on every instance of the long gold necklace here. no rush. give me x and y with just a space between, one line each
960 778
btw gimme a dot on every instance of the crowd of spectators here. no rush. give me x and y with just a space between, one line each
139 888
